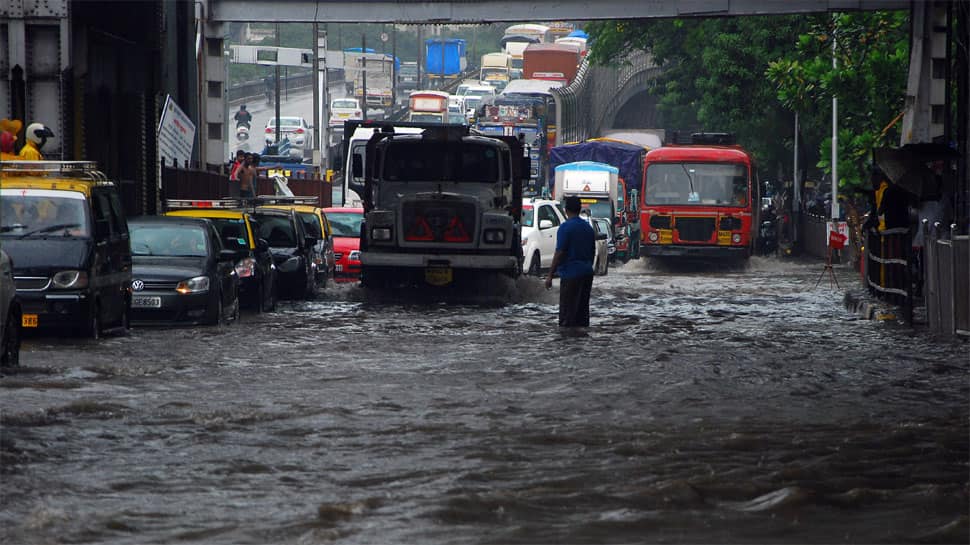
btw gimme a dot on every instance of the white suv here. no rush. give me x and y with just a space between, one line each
541 219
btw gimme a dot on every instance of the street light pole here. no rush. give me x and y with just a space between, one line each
835 142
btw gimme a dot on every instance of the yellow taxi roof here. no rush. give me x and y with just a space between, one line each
57 184
207 213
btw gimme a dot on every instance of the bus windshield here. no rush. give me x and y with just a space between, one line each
697 184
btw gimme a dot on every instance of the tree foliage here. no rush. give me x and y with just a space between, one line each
749 75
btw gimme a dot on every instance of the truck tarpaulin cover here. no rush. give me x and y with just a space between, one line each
626 157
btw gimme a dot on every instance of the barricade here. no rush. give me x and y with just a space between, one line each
889 256
947 289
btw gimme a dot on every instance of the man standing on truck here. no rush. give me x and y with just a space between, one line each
575 251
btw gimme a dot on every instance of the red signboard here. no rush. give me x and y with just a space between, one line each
837 240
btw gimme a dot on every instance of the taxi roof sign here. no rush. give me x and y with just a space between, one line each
203 203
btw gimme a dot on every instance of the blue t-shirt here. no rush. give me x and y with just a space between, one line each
577 240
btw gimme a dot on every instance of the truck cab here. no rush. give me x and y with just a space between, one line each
441 208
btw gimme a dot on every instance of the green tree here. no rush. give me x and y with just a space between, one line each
871 53
715 76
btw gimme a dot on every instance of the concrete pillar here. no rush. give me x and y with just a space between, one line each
925 89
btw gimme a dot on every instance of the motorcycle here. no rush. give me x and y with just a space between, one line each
242 131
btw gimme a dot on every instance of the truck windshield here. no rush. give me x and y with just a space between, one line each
441 162
697 184
598 208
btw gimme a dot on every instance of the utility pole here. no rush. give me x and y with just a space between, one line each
276 133
394 71
363 75
420 55
835 142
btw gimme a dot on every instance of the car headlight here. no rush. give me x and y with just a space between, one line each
494 236
70 279
199 284
246 267
354 255
381 233
736 238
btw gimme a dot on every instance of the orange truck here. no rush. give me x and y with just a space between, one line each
553 62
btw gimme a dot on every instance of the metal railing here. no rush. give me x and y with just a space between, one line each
946 262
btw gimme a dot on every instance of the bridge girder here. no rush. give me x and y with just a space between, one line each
463 11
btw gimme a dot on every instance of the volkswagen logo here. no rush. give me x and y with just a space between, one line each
137 285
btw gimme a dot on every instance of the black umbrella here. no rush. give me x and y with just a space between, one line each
907 167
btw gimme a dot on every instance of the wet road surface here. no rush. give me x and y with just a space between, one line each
714 406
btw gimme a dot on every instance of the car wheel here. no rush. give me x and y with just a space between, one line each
10 350
234 316
124 322
534 265
606 267
217 317
271 300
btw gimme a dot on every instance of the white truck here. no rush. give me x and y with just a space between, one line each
379 81
596 185
496 70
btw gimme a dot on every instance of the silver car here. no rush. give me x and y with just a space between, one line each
10 312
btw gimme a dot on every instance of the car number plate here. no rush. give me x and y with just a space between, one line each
438 276
144 301
343 116
28 320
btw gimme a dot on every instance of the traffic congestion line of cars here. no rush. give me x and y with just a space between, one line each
72 261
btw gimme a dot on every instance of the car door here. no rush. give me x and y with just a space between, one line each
225 269
547 236
328 259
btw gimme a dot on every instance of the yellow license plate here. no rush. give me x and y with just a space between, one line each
438 276
28 320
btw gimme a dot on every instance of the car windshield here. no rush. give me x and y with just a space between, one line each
156 239
345 224
285 122
24 214
697 184
278 231
345 103
445 162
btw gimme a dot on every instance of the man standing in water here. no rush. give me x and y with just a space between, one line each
575 251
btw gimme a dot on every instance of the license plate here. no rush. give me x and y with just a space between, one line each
438 276
144 301
28 320
343 116
339 268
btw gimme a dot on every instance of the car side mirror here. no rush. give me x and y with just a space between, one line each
227 255
262 245
545 224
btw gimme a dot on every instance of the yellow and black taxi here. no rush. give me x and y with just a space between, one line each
293 249
316 225
239 230
63 225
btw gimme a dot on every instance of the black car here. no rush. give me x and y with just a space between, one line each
292 250
254 262
182 273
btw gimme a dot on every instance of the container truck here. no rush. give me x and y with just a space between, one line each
495 70
551 62
444 60
596 185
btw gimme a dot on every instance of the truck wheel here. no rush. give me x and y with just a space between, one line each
534 265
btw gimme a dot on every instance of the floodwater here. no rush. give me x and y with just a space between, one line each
706 406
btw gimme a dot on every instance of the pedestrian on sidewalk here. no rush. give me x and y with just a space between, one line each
573 260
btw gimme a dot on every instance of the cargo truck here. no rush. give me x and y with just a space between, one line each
596 185
551 62
444 60
496 70
441 208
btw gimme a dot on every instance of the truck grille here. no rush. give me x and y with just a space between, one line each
439 221
694 229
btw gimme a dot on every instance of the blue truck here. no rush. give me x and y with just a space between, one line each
444 60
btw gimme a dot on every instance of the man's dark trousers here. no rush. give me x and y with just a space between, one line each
574 301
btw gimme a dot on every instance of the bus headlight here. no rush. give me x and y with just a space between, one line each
653 236
736 238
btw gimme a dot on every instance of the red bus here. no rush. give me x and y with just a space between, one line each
700 200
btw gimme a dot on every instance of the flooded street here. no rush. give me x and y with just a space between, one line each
704 406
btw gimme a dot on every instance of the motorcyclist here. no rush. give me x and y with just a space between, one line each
243 117
37 135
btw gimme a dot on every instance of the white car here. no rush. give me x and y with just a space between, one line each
344 109
295 129
604 236
540 223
